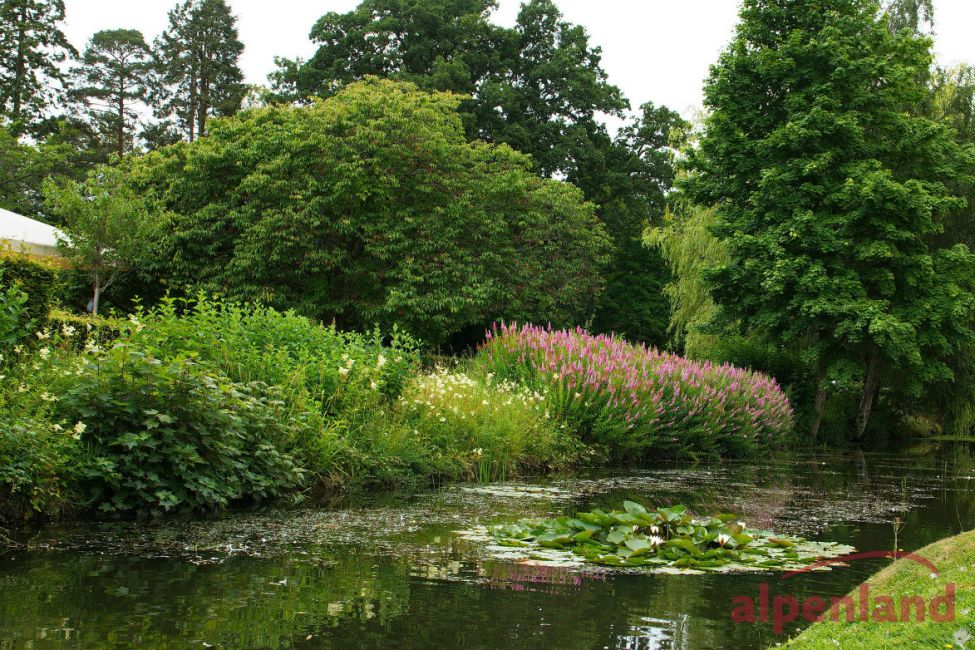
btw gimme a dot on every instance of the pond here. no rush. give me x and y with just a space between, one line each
391 572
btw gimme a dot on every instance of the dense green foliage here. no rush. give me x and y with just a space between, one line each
36 281
313 364
371 207
538 87
831 197
197 60
24 167
14 325
198 405
37 467
167 433
32 48
105 224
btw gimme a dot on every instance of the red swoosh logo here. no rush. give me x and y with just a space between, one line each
865 556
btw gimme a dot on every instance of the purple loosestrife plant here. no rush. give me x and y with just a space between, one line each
637 401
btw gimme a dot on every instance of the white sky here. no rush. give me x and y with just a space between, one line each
655 50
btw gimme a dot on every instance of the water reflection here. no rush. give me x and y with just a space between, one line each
391 574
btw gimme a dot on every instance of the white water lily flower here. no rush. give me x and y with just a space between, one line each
723 539
653 529
655 541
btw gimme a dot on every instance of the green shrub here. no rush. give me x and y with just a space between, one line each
489 429
14 327
78 332
37 454
170 433
35 279
308 361
35 467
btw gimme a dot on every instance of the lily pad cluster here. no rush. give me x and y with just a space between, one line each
665 537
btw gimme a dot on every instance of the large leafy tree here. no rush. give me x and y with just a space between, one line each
629 178
32 49
372 207
198 61
831 193
114 77
537 87
437 44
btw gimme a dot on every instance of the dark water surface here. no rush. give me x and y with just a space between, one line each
391 572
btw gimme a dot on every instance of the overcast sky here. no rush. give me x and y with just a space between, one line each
655 50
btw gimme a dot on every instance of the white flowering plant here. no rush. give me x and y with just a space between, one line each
492 428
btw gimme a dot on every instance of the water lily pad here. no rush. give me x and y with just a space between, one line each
639 537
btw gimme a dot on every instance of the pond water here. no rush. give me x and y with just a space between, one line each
391 572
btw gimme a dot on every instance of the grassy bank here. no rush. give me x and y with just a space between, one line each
198 405
955 559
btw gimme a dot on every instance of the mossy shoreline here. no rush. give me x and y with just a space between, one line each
954 559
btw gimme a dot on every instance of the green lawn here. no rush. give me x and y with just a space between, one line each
955 559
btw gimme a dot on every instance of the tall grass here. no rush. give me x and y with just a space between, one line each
636 400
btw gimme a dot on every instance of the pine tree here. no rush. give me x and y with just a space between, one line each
197 57
113 78
32 49
831 192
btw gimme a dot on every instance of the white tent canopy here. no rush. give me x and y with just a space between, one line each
27 235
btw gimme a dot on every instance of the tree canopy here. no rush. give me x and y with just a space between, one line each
32 49
197 57
372 207
114 77
831 193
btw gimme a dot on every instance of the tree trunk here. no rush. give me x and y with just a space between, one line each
121 115
193 106
820 403
20 71
96 285
870 382
203 107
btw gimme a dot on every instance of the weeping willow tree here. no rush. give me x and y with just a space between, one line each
913 15
686 243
